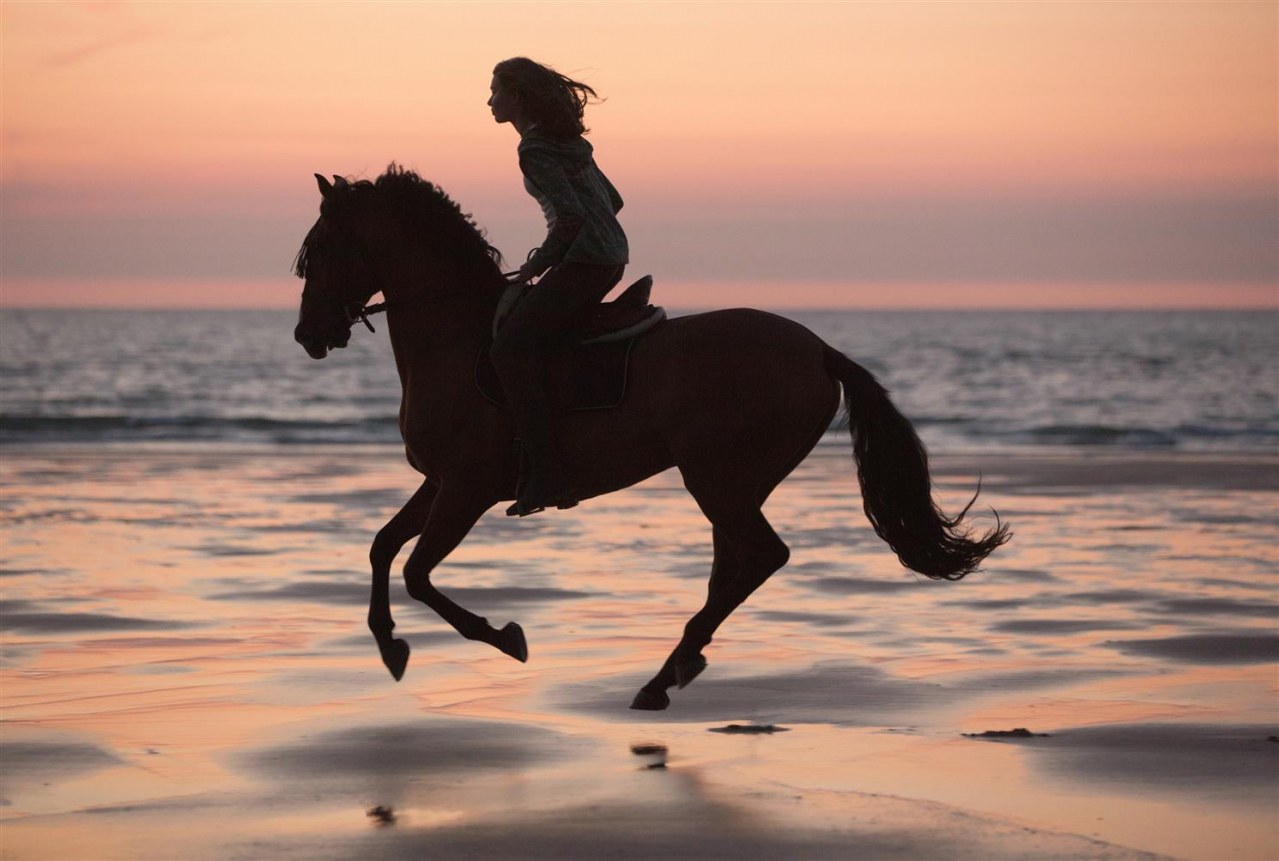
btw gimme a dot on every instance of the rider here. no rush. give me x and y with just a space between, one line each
582 257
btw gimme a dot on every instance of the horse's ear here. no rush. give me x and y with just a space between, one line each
339 181
325 187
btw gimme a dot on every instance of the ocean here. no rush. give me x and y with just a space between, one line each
971 381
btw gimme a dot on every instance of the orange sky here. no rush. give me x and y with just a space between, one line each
827 154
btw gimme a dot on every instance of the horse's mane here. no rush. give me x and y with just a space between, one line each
421 206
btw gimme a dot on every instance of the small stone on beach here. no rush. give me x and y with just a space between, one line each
383 815
749 729
647 748
1020 732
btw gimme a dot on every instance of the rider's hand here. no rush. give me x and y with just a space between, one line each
529 271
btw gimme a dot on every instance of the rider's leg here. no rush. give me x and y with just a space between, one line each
547 311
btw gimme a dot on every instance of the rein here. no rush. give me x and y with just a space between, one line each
358 312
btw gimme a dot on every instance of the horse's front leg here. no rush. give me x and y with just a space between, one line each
407 523
453 514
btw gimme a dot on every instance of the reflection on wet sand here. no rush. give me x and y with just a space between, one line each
186 670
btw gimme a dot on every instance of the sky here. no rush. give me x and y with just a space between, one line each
783 155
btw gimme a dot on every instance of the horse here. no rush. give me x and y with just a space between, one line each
733 399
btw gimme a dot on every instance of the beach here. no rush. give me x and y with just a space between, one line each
1045 231
186 671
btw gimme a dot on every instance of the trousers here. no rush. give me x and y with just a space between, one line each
538 324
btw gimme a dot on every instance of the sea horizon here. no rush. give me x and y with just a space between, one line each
691 295
1166 380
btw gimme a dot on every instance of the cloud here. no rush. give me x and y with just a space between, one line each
86 51
1127 242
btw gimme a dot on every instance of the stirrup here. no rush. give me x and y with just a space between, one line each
519 509
562 497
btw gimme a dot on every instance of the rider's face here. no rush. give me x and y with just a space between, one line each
503 102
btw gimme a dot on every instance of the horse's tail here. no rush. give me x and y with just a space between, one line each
892 467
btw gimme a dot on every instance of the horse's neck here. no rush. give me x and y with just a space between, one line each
431 333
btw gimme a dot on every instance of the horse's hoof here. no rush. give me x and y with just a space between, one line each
686 671
511 641
650 701
396 657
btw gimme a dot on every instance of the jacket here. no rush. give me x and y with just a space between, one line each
579 202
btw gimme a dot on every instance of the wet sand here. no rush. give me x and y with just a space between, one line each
186 672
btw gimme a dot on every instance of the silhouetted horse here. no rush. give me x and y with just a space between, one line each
733 399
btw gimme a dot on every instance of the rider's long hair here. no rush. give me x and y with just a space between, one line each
555 102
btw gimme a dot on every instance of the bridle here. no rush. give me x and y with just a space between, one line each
358 312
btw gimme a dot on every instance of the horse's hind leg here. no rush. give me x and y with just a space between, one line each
399 530
747 552
652 697
452 516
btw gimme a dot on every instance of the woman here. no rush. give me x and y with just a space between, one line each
581 260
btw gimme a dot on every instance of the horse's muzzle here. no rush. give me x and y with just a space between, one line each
318 346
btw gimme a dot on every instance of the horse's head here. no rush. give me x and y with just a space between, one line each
399 232
338 271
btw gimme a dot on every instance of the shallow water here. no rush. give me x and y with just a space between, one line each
186 671
1184 381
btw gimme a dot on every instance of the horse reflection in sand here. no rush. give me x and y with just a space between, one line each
733 399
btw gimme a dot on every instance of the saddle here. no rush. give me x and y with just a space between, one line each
590 371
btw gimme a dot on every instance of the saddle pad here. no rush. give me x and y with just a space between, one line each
583 377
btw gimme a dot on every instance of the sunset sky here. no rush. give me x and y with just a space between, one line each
892 154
